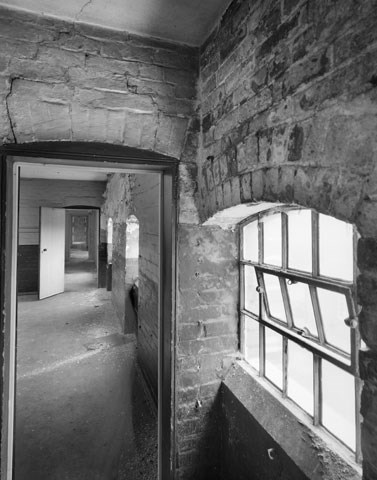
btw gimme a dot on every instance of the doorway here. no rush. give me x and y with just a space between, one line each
120 160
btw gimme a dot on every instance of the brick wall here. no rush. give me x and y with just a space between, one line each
207 327
286 112
145 191
138 195
289 114
116 206
75 82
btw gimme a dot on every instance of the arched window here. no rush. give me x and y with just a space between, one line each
298 313
110 240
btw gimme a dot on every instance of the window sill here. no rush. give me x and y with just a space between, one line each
315 452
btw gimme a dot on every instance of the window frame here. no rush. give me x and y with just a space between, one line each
319 349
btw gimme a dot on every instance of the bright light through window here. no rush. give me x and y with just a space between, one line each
297 332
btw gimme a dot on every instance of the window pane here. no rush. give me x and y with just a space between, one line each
251 334
302 307
272 239
335 248
274 297
274 357
300 376
338 403
334 311
250 242
251 294
300 240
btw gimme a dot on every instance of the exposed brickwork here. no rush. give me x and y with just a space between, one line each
207 327
288 113
71 77
294 91
145 190
137 195
63 81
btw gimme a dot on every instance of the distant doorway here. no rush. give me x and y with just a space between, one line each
99 158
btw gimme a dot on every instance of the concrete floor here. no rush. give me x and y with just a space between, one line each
82 412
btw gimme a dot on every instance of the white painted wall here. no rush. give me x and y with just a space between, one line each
35 193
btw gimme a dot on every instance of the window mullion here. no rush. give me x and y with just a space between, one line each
261 242
317 314
284 236
358 385
285 366
315 243
317 389
287 305
262 350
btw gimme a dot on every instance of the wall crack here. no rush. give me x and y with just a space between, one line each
8 110
86 4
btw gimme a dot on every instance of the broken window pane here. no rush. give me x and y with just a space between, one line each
251 294
335 248
274 357
338 403
300 240
302 307
252 342
300 376
274 297
272 240
334 311
250 242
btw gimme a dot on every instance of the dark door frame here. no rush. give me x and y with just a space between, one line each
90 155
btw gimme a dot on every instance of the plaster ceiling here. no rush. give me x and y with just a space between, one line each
182 21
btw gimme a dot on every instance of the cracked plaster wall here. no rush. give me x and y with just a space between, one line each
74 82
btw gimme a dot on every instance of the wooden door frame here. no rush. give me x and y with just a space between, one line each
94 156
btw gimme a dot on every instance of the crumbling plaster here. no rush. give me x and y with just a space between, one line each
286 112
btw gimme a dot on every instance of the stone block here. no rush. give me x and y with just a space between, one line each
257 184
366 220
255 105
235 191
289 5
282 32
97 124
295 144
39 111
245 188
367 253
305 71
247 153
367 289
368 326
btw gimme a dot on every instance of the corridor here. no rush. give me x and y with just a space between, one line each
82 412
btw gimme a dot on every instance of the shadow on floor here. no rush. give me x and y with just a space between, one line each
81 409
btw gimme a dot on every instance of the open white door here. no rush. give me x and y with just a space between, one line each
52 243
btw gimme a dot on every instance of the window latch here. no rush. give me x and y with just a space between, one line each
259 289
351 322
304 332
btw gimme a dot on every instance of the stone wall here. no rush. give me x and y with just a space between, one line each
289 113
137 195
145 191
76 82
207 337
286 112
117 205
